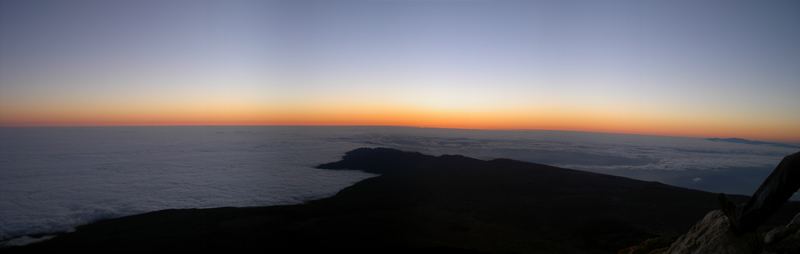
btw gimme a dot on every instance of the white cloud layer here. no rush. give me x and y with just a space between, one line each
53 179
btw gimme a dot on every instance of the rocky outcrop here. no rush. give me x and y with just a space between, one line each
784 239
712 234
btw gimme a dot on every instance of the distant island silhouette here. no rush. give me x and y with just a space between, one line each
425 203
753 142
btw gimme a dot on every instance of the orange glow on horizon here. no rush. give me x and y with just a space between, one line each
549 119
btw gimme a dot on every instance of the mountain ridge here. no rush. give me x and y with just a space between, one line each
418 202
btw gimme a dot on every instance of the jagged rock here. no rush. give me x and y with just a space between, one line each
713 235
784 239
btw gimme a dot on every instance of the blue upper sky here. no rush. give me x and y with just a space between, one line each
708 68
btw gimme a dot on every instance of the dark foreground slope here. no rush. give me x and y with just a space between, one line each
425 203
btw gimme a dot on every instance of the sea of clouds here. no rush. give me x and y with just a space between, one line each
53 179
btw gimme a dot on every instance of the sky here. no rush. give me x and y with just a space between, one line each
707 68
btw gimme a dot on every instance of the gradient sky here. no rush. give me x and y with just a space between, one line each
685 68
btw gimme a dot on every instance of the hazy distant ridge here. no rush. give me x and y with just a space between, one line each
752 142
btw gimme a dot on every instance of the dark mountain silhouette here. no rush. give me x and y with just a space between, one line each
423 203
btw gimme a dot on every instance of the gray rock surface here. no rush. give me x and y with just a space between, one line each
712 234
784 239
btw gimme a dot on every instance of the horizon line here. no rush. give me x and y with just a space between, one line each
797 142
